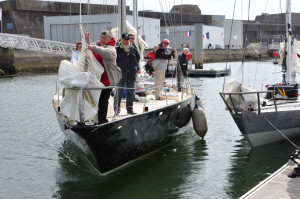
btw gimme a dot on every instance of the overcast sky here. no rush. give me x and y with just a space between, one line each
214 7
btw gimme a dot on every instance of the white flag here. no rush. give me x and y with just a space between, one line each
235 37
0 14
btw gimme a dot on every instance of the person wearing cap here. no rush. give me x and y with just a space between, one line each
164 54
132 41
127 59
105 53
75 54
181 69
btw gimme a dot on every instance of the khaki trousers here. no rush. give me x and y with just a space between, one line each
159 79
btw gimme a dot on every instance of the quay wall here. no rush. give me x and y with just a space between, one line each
26 62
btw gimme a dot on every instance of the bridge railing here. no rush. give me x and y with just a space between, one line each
36 45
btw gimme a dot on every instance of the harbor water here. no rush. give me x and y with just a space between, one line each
36 161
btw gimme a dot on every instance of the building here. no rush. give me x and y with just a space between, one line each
65 28
213 37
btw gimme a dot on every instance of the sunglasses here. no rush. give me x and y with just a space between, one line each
166 43
126 38
79 46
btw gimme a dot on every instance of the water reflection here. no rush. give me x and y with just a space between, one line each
252 165
161 174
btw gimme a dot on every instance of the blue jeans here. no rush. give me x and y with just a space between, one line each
130 93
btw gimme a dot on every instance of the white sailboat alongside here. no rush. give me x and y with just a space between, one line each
270 116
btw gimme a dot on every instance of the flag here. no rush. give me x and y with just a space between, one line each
235 37
207 35
0 14
203 36
188 33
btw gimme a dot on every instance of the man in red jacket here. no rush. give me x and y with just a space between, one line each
105 52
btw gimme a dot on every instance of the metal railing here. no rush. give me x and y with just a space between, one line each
27 43
240 94
81 97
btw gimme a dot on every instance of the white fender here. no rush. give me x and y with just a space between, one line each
199 121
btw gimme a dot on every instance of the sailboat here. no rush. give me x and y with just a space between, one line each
269 116
124 138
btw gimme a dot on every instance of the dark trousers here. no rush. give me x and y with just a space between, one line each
102 105
129 95
181 72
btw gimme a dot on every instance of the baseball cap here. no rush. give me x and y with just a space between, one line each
125 36
166 41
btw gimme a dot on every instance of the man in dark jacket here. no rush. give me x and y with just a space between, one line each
183 61
181 69
127 59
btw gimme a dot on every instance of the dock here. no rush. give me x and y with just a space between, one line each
278 185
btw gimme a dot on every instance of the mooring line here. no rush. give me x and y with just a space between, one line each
279 131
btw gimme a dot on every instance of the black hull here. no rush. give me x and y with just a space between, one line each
116 143
259 132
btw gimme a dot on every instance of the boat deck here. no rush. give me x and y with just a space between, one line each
282 105
278 185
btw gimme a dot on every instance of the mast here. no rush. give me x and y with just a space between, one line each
121 17
135 22
289 63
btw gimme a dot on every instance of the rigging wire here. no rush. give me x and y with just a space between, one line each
171 19
229 42
181 41
266 6
173 24
143 20
70 23
255 75
161 6
245 46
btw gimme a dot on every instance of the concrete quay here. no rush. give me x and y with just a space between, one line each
278 185
13 61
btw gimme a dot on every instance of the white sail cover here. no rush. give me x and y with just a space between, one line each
295 55
244 101
74 75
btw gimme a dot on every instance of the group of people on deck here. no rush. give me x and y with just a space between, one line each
126 56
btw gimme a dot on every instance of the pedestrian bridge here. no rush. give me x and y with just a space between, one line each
23 42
